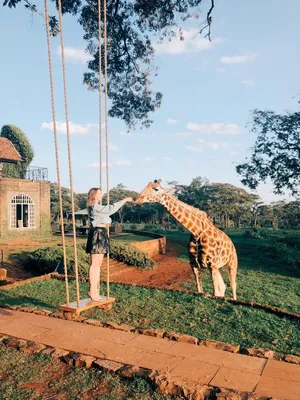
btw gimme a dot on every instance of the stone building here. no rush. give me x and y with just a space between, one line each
24 203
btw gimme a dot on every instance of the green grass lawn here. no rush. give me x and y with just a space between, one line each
174 311
40 377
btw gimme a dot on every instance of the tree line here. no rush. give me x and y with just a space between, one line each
225 204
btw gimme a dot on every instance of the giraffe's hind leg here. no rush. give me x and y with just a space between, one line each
194 263
198 277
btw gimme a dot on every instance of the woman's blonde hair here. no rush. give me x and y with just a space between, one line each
92 196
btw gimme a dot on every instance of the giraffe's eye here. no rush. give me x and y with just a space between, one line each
156 189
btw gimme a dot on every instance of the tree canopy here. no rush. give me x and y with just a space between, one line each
276 152
23 146
133 29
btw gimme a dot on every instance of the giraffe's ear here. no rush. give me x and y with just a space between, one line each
171 191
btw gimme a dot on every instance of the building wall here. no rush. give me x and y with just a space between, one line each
40 194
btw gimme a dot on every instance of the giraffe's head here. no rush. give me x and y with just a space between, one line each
153 193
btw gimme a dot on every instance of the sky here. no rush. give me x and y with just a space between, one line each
209 90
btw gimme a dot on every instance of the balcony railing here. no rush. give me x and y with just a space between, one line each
37 174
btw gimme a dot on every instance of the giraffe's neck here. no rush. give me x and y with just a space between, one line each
194 220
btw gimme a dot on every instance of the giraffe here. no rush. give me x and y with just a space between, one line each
208 247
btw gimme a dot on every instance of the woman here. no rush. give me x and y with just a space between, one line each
98 241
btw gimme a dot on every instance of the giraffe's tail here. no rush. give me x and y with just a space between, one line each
231 267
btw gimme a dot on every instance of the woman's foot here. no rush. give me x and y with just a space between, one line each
94 296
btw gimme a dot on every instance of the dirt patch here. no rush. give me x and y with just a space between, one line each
168 273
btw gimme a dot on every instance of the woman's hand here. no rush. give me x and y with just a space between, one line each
128 200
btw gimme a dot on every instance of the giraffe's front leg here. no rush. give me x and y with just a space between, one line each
219 286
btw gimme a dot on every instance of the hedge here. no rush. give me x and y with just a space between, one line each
46 259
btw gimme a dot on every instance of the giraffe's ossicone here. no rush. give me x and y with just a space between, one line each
208 247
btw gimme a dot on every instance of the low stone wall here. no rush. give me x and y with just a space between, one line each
152 247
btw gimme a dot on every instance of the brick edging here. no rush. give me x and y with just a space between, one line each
162 334
164 382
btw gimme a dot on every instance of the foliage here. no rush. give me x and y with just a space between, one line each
252 234
46 259
23 146
276 152
130 255
133 29
221 201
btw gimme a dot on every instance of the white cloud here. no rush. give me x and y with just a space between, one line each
171 121
192 42
240 59
97 165
75 129
113 147
166 159
183 134
248 83
204 145
214 145
194 148
148 160
75 55
123 163
215 128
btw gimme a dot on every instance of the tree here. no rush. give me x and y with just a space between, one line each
23 146
66 202
276 152
133 26
227 202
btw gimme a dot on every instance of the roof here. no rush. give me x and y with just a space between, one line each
8 152
81 212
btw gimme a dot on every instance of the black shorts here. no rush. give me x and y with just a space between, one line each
98 241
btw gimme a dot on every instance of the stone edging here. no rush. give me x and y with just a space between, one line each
162 334
166 384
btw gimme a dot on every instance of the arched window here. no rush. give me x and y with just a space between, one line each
22 212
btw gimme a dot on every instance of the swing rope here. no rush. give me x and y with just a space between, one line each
69 148
106 135
100 95
56 150
68 135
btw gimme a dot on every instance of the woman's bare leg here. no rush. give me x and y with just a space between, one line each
94 275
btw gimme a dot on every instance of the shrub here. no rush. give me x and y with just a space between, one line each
130 255
45 260
291 241
252 234
23 146
133 227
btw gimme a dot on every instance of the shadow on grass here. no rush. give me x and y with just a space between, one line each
24 301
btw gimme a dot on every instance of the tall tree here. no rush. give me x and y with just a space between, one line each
133 29
23 146
276 152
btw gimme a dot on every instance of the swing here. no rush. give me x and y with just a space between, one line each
79 305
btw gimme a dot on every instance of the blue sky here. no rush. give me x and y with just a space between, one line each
209 90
